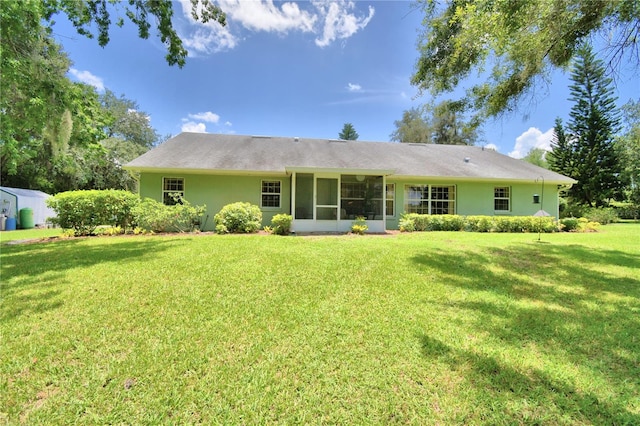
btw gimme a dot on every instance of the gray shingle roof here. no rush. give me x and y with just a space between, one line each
208 153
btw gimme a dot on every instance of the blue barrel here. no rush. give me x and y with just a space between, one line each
11 224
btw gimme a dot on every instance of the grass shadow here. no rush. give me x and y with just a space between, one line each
33 275
568 302
544 394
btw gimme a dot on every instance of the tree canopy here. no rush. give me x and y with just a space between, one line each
348 133
56 134
588 153
513 45
443 124
142 13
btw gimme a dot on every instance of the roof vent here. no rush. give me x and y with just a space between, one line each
467 159
296 139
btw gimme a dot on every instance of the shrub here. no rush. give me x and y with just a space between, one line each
154 216
569 224
407 224
417 222
628 211
359 226
573 210
281 224
238 218
84 211
602 215
478 224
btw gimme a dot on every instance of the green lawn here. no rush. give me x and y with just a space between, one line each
423 328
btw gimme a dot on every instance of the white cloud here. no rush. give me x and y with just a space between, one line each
532 138
88 78
338 22
228 123
265 16
208 116
190 126
492 146
354 87
328 20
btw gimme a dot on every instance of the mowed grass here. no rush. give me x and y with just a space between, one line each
424 328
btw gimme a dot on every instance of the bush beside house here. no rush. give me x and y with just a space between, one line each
238 217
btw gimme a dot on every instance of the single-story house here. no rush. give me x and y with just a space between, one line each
325 184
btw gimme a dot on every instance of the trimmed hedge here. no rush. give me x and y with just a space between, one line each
410 222
84 211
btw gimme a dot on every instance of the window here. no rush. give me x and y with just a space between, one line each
172 189
502 198
271 193
390 199
430 199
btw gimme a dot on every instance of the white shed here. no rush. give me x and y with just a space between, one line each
14 199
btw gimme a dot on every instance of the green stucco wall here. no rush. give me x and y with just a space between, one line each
476 198
472 198
216 191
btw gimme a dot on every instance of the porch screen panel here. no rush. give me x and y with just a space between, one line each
327 199
304 196
361 196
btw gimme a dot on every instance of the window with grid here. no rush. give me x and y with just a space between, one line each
502 199
390 199
271 193
430 199
172 190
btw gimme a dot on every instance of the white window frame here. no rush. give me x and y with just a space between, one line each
392 199
166 192
429 200
502 198
268 193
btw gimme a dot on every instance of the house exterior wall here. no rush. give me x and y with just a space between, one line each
216 191
472 198
477 198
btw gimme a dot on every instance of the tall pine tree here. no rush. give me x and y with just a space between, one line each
348 133
561 156
593 124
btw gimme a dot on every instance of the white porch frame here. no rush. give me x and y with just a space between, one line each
340 224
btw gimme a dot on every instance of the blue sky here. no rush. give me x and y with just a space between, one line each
292 69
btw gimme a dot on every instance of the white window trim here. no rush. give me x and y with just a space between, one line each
454 201
184 185
393 200
501 198
262 181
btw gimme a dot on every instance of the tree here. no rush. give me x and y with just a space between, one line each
449 128
34 89
441 124
628 148
561 156
348 133
127 122
85 13
537 156
523 41
593 125
413 127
